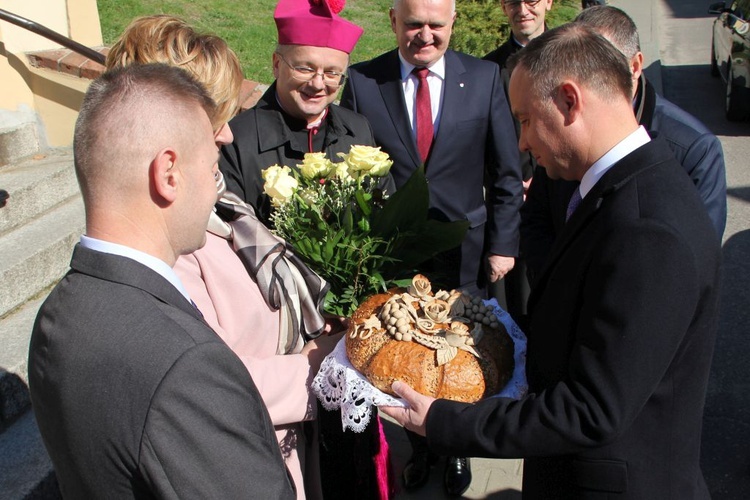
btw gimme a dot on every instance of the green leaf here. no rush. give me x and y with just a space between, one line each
405 209
363 200
431 239
348 220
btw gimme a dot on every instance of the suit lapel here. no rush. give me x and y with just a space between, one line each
128 272
570 232
392 92
452 109
646 157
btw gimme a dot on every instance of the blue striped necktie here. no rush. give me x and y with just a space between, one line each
575 200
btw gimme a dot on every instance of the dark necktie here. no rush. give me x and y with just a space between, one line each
424 114
575 200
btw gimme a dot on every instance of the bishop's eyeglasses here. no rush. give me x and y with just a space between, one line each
331 79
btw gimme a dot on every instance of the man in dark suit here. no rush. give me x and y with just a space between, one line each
470 155
625 313
693 145
135 396
473 145
527 21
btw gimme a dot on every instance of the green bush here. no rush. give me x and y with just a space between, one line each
481 25
248 26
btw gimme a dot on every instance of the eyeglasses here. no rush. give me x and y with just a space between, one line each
517 3
331 79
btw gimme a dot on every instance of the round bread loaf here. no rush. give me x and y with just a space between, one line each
445 345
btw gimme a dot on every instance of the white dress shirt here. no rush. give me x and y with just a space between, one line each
410 82
623 148
153 263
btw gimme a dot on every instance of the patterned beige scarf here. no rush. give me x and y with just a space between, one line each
285 282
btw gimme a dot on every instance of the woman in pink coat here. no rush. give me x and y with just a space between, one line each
270 324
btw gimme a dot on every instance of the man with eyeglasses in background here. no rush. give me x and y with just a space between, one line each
296 115
527 21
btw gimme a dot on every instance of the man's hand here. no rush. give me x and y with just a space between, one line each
413 417
526 186
498 266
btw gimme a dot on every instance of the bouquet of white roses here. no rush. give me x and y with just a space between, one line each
358 238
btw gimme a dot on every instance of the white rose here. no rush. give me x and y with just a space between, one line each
367 160
279 185
315 166
341 171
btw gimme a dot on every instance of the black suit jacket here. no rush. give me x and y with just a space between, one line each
692 144
623 324
136 397
474 149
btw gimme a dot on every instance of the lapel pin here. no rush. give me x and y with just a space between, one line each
461 84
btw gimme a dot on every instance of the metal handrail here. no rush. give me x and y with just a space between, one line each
56 37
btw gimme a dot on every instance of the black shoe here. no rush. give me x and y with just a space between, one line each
457 476
417 470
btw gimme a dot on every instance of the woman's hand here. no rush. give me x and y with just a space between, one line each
317 349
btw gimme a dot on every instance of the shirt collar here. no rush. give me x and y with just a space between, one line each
437 68
623 148
516 42
153 263
307 125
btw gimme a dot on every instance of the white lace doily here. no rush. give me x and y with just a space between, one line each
339 385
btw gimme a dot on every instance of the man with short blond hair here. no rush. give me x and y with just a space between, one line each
134 394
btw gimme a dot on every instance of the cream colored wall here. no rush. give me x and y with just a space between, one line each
85 27
54 97
58 98
15 92
50 13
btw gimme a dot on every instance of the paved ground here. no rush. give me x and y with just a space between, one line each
675 38
685 40
495 479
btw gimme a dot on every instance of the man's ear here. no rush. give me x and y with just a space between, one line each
636 65
164 176
275 61
569 101
392 15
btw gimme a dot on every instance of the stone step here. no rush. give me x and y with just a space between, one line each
25 468
15 332
18 135
36 185
37 254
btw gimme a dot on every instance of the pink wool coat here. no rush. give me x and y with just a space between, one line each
232 305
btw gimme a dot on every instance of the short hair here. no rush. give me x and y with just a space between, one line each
575 51
397 2
124 117
170 40
615 25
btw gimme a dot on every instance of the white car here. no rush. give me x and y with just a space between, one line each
730 55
